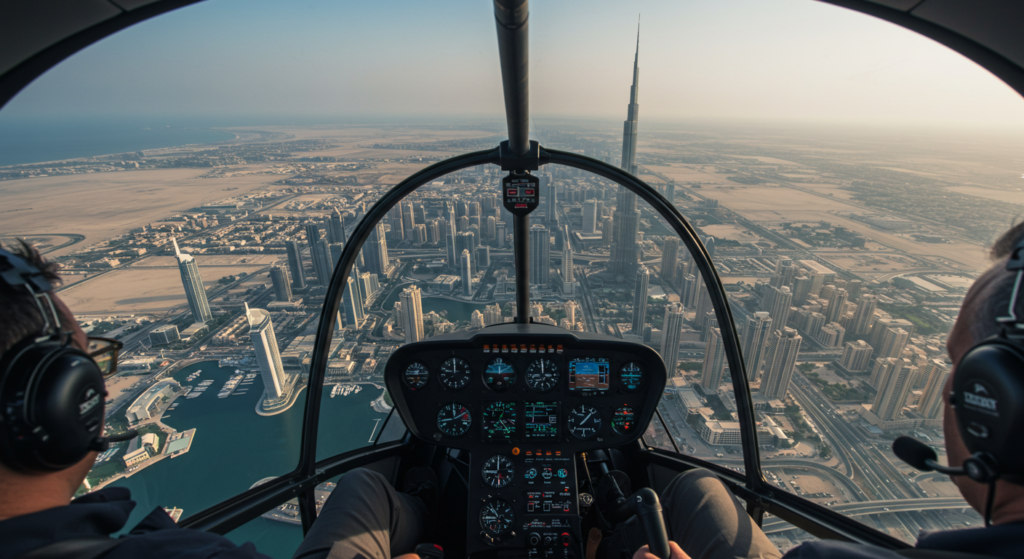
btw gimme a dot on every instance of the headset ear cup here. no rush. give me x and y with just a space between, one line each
988 396
45 426
67 404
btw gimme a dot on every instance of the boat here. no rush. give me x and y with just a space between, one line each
230 386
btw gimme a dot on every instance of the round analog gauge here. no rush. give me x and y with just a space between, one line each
454 420
542 375
584 422
416 375
631 376
454 373
496 517
623 420
498 471
499 421
499 375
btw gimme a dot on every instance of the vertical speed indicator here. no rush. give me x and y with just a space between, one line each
454 420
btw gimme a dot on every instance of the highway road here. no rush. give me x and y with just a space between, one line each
772 525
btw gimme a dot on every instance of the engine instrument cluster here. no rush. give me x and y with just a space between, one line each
524 400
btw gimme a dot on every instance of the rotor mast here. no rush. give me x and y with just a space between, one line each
511 18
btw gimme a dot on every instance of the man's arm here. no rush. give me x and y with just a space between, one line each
677 552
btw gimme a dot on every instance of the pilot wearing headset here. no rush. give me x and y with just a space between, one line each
51 424
984 435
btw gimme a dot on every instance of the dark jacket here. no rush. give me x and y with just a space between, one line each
996 541
105 512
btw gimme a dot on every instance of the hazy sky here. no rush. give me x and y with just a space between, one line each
789 60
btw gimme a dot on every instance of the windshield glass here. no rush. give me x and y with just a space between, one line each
845 175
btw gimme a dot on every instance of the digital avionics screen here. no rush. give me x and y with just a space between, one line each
589 375
541 420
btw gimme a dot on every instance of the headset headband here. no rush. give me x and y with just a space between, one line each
17 272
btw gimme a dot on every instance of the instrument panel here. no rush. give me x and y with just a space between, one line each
528 385
524 400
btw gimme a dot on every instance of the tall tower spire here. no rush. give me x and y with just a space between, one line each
177 251
626 219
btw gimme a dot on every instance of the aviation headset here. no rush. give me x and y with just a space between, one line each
988 393
51 393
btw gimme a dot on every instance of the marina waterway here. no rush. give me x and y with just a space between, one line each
234 447
451 309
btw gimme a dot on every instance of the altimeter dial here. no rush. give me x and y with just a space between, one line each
542 375
454 373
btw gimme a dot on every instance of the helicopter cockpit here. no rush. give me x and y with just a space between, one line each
554 335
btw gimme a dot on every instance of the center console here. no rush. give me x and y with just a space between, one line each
524 400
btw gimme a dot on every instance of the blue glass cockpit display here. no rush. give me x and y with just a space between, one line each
589 375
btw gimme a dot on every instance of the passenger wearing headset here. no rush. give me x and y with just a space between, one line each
52 392
984 434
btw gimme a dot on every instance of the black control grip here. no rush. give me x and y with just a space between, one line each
429 551
647 507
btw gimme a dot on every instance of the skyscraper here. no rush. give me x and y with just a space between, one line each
936 373
856 356
261 330
483 257
714 362
466 240
777 301
319 254
862 316
550 189
568 273
629 127
295 264
672 332
626 219
801 288
893 390
408 220
450 236
755 342
282 288
540 255
669 258
836 305
412 313
643 278
394 219
195 292
894 342
590 217
466 269
377 252
336 227
780 359
352 300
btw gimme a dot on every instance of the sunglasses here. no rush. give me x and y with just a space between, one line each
104 352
